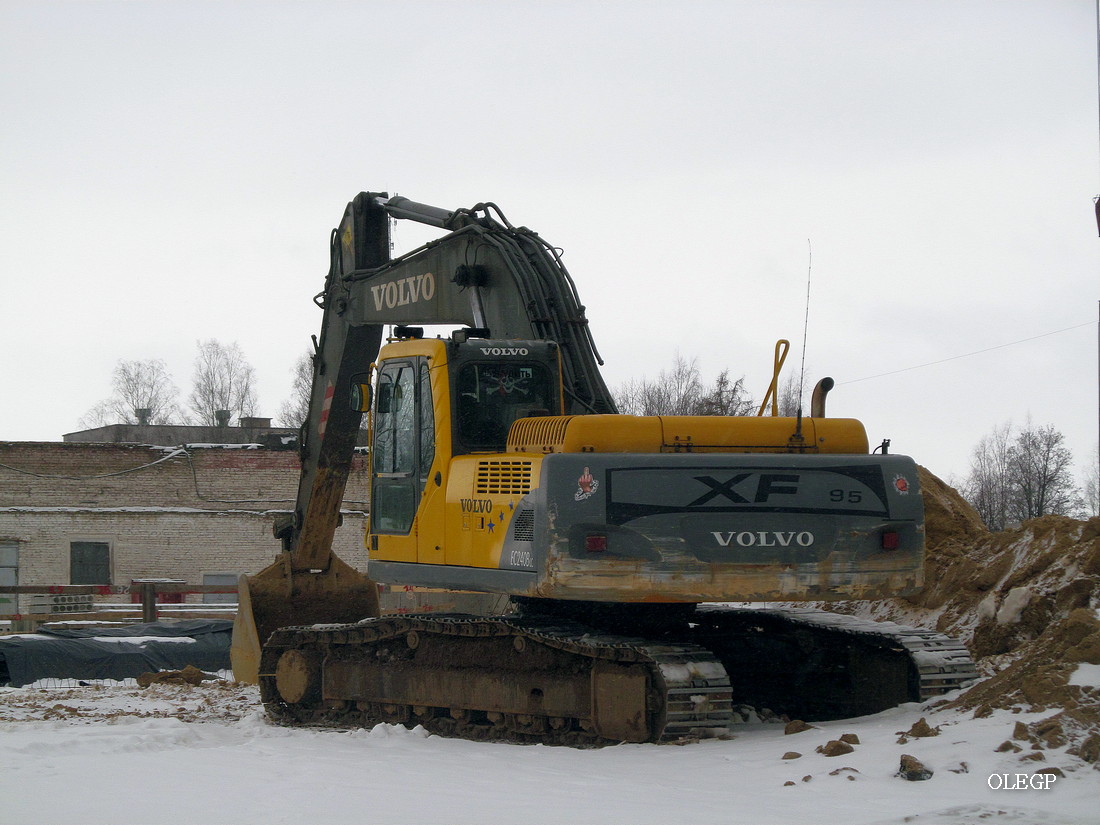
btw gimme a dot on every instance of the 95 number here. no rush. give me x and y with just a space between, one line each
846 496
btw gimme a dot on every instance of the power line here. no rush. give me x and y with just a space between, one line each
966 354
177 451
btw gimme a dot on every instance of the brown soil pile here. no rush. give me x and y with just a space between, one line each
1025 602
1039 680
190 675
1000 592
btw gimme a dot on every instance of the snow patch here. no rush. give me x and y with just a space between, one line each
138 640
1086 675
1013 605
987 608
687 671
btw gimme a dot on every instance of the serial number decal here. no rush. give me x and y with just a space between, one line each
521 558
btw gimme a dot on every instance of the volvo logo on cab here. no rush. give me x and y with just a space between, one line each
764 538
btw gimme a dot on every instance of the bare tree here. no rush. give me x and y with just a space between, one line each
223 380
143 393
672 393
788 398
789 401
295 409
1042 475
726 398
792 396
1091 486
988 487
1015 477
680 391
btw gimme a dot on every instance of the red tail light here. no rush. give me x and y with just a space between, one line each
595 543
891 540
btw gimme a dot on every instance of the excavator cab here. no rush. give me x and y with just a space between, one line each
437 399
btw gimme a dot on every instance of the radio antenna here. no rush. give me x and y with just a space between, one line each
805 327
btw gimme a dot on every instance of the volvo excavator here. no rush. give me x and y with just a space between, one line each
612 545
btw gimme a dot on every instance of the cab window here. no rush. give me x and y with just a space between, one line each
404 444
493 395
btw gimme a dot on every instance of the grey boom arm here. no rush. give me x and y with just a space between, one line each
484 273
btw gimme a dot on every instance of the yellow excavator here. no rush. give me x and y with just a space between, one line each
605 548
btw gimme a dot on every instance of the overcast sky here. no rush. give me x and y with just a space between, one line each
171 172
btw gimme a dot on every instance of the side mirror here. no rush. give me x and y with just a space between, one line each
362 395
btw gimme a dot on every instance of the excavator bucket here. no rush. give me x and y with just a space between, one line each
276 597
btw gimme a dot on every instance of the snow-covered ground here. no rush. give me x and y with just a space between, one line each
168 753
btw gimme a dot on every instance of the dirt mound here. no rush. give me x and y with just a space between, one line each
947 515
1045 677
1025 602
1040 676
190 675
999 591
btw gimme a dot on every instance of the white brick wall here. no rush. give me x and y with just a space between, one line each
205 510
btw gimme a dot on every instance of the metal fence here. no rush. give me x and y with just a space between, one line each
99 602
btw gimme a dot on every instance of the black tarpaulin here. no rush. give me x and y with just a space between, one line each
119 652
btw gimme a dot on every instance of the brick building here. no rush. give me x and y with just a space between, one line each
100 513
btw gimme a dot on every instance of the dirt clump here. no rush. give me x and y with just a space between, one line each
912 769
190 675
796 726
834 747
922 729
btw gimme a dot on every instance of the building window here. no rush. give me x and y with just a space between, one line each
220 578
9 577
89 562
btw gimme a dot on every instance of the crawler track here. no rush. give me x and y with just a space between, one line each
541 680
506 678
819 665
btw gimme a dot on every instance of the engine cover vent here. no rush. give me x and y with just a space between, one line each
523 526
503 478
538 435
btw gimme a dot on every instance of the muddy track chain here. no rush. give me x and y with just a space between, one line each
942 664
687 697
